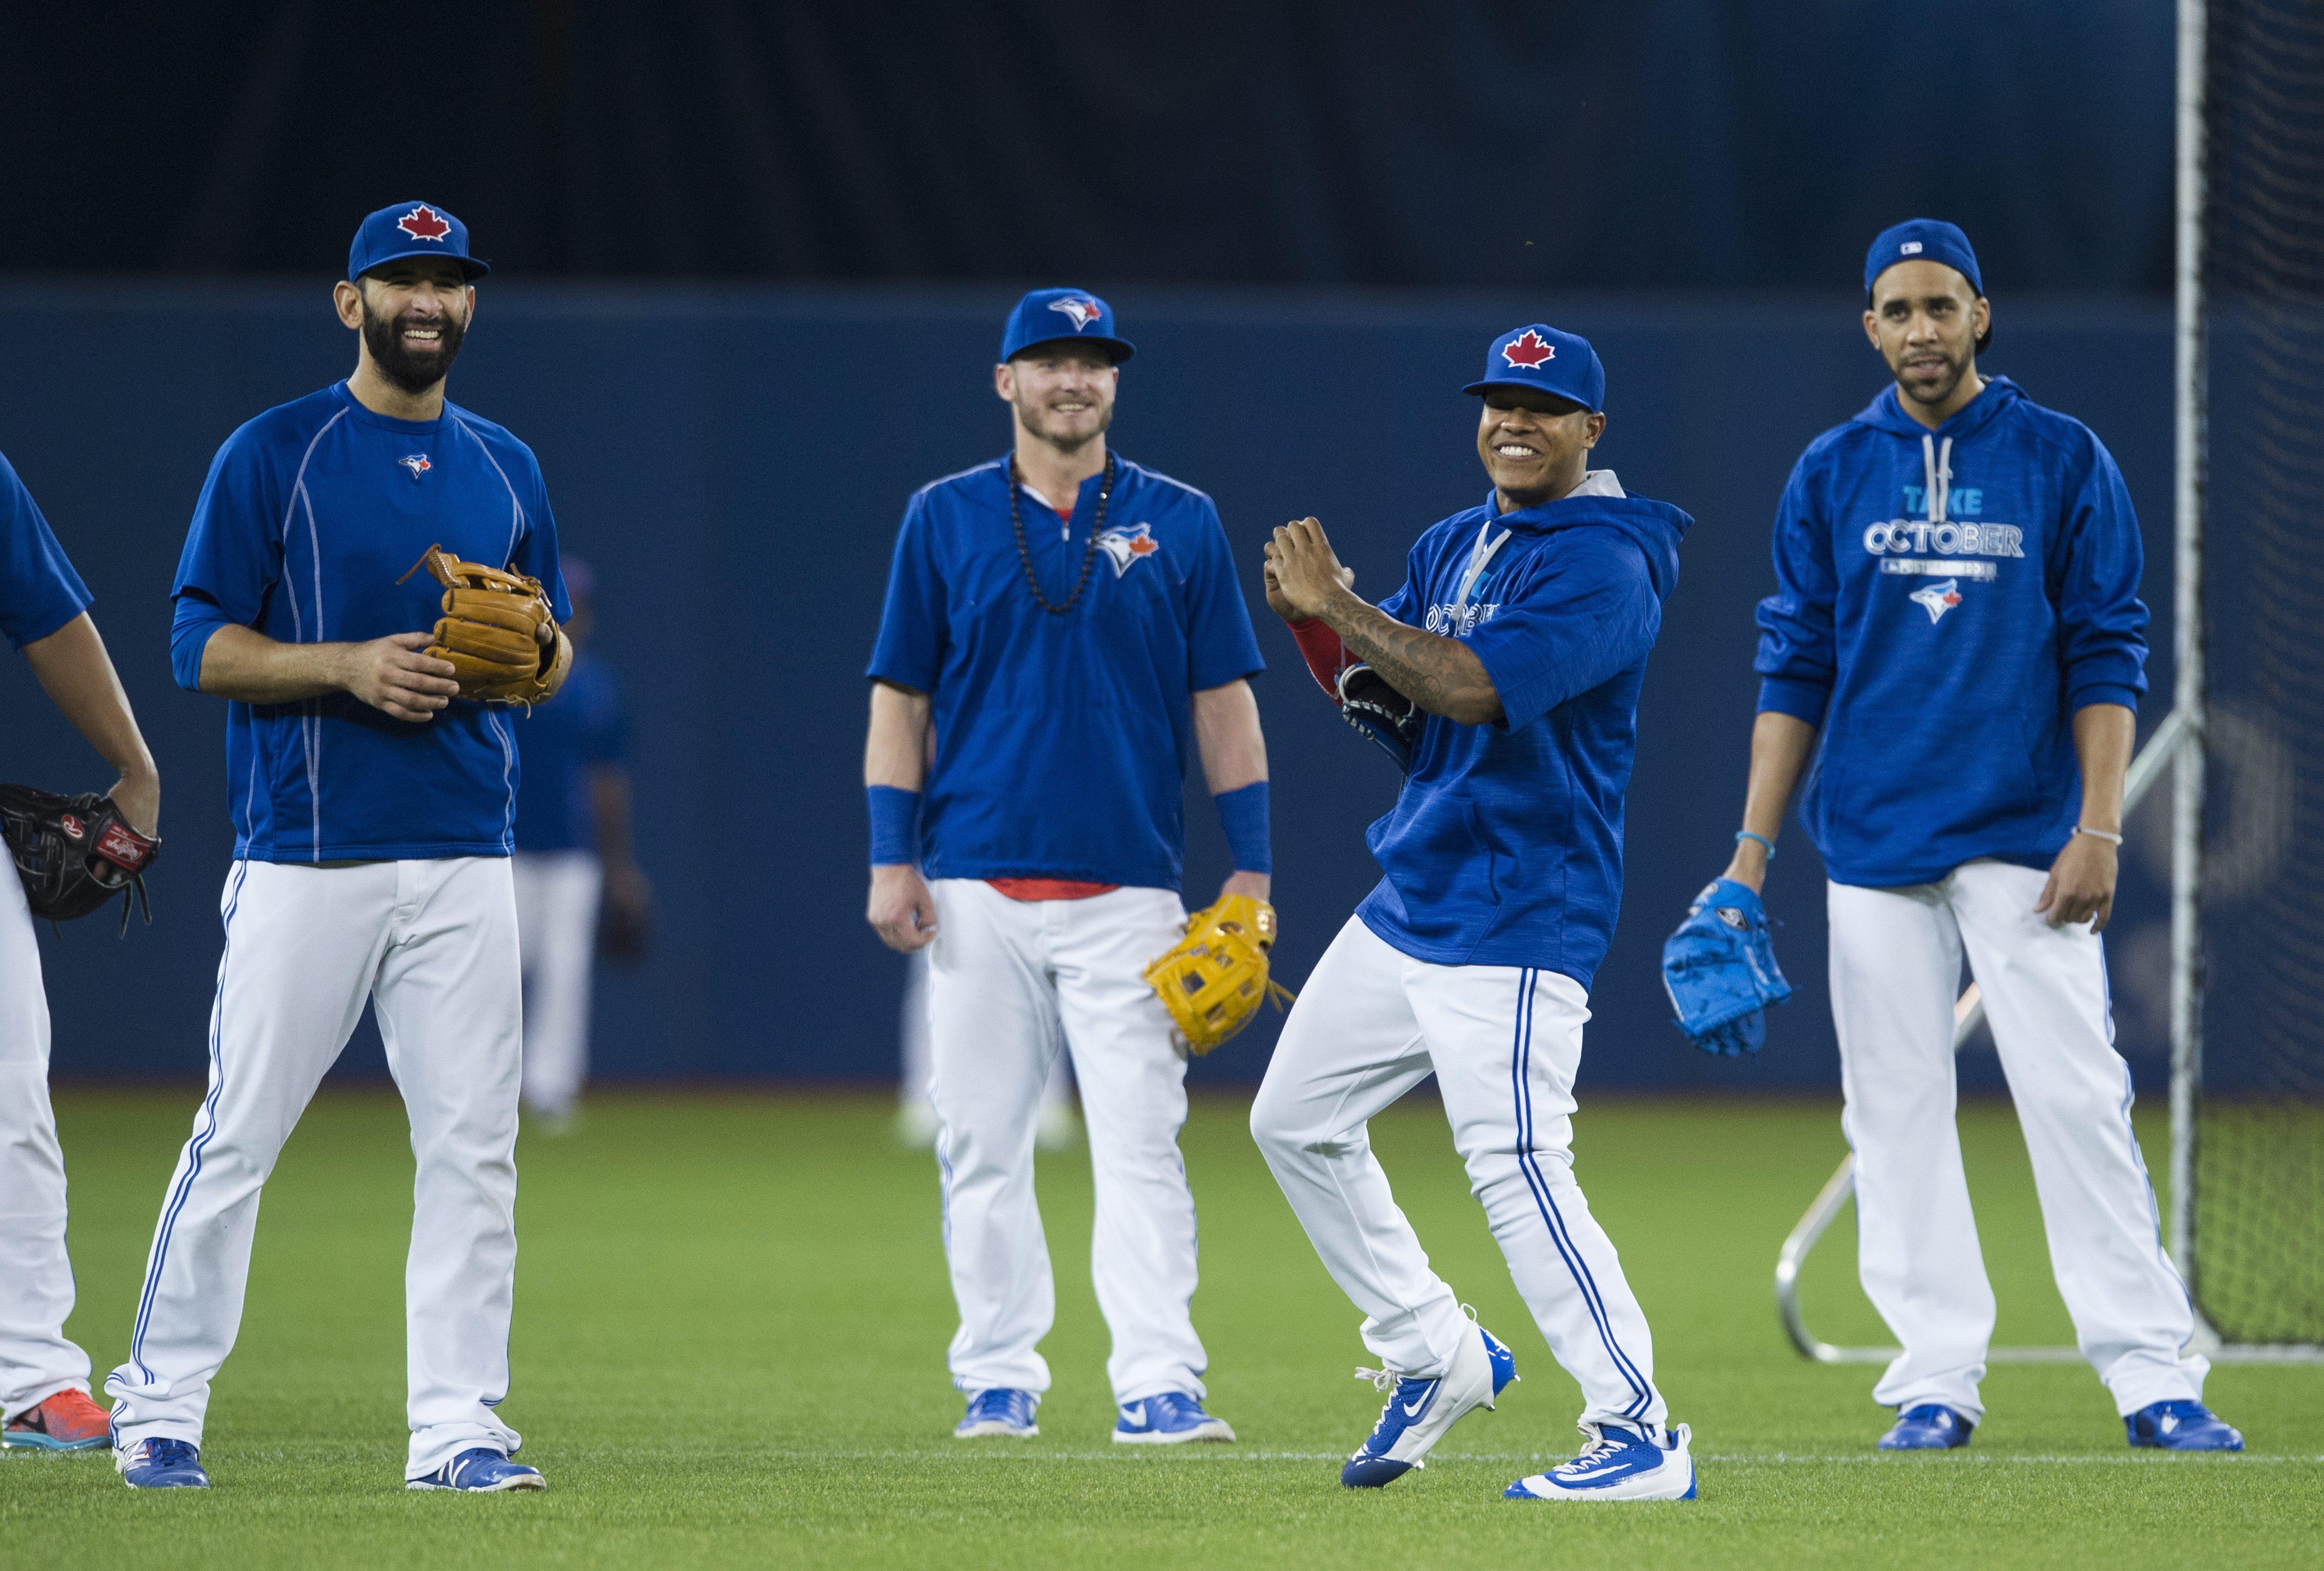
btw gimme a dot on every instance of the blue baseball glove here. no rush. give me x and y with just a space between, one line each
1720 970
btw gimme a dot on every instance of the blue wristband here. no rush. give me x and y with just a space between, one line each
1743 834
894 825
1242 814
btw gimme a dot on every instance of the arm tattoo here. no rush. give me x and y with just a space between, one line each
1442 675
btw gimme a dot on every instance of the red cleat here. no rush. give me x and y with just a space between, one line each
67 1421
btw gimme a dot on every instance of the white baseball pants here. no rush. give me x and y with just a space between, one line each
1504 1043
433 945
557 895
36 1280
1896 971
1004 976
917 1064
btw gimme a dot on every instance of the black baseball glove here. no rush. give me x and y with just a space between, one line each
74 854
1369 704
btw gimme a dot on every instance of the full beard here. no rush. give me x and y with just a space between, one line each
415 371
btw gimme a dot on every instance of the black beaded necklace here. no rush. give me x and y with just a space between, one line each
1089 551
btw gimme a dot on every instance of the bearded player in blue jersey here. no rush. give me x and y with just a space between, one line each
372 814
1069 623
1518 641
1957 612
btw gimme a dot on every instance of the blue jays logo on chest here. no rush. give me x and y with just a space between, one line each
1126 548
1938 598
417 463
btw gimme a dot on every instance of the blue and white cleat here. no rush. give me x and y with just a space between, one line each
2180 1426
1000 1411
481 1470
1420 1412
1618 1464
1929 1426
1171 1419
161 1465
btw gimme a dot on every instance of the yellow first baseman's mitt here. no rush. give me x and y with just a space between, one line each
490 631
1213 980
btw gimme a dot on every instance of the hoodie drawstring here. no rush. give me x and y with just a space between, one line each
1480 557
1937 473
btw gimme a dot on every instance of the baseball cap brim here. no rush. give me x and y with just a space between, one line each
470 268
1478 389
1120 349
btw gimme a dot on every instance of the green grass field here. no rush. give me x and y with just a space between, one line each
731 1319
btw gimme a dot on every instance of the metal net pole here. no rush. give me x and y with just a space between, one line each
2188 777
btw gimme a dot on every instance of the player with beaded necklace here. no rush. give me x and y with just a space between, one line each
1034 848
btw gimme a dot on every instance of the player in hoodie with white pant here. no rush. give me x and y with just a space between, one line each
1957 610
1521 632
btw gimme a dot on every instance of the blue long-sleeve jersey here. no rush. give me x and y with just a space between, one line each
1945 601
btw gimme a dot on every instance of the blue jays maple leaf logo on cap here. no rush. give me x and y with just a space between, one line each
1528 349
1081 313
424 223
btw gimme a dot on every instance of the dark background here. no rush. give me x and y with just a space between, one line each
753 263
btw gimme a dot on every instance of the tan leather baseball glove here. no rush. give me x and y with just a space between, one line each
490 631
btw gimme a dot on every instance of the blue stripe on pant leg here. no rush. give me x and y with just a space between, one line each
201 1138
1520 1064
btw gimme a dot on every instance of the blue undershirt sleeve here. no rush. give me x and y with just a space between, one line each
197 622
1798 657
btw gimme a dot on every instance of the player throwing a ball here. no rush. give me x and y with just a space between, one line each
373 796
1512 657
1957 612
1069 623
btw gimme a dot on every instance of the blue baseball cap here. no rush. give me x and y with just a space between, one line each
1048 314
403 229
1540 357
1921 240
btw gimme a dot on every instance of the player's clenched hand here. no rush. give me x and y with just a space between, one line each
391 675
902 912
1282 607
2081 884
1301 572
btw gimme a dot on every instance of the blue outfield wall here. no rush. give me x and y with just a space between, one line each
733 462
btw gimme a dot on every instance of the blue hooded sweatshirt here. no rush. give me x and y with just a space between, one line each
1945 601
1505 848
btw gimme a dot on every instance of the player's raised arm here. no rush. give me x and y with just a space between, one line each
1442 675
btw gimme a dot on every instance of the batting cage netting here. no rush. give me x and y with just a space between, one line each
2257 1227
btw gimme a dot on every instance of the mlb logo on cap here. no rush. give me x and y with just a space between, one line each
1047 315
1928 240
1540 357
401 230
